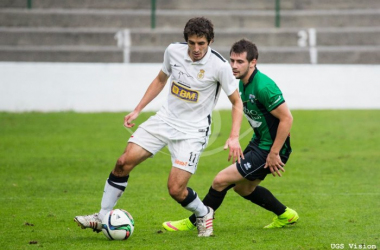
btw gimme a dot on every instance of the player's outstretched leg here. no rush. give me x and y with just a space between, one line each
179 225
204 224
289 217
89 221
213 199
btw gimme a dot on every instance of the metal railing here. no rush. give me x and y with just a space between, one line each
277 15
153 12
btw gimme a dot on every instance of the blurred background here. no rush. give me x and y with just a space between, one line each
138 31
101 55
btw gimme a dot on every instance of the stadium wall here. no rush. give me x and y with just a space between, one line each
95 87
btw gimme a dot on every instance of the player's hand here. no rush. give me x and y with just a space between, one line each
129 118
235 150
274 164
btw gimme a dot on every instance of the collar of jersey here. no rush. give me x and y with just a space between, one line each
203 60
252 76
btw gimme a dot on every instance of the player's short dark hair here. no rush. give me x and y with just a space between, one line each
245 46
199 26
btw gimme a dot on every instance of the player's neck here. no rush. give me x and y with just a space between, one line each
247 78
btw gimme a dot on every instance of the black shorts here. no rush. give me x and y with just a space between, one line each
252 167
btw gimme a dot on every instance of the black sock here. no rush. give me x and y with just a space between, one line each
213 199
265 199
191 195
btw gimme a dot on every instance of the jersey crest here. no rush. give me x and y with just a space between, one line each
252 98
201 74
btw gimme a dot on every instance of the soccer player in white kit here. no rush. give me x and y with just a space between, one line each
197 75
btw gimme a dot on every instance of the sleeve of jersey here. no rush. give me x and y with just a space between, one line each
227 79
271 97
166 68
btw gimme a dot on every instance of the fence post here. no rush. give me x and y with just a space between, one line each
123 38
29 2
153 15
277 18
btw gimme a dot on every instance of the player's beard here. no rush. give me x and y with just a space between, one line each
243 75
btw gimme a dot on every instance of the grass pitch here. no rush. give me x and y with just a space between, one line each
54 165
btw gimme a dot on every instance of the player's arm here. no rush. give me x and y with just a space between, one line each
274 162
153 90
233 141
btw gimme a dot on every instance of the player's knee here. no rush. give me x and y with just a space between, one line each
123 164
219 183
120 163
176 193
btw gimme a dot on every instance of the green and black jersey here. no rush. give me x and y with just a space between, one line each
260 96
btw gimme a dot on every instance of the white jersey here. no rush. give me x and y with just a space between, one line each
194 89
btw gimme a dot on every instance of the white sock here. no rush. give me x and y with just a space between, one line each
110 197
197 207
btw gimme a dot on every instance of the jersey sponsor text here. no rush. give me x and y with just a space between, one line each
184 93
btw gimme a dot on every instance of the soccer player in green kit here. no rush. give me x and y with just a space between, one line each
267 152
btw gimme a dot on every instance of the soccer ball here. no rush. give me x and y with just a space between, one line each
118 224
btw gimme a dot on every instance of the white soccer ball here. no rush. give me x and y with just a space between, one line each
118 224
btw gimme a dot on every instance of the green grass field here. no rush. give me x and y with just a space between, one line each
54 165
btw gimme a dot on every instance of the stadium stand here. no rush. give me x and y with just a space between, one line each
310 31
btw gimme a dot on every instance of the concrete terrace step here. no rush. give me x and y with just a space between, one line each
326 54
61 54
74 18
26 36
349 36
198 4
177 19
136 54
291 55
272 54
346 36
349 55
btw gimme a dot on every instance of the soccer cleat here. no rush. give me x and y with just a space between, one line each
89 221
287 218
204 224
179 225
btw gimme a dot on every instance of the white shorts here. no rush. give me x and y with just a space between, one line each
155 134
